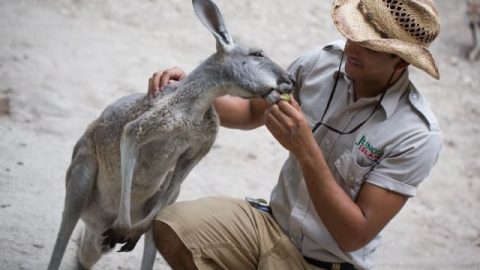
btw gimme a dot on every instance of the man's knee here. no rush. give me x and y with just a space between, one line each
171 247
166 240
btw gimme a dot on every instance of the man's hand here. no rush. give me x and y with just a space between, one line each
161 78
287 123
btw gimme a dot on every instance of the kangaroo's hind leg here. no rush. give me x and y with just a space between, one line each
149 250
91 249
475 51
80 181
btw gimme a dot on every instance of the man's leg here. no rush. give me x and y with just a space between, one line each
223 233
209 233
171 247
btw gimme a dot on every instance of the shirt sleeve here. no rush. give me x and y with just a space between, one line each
318 58
301 67
408 164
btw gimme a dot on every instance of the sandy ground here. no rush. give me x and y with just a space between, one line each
63 61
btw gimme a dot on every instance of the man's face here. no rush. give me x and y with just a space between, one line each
367 65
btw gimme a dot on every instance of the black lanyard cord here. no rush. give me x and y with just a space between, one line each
337 75
317 125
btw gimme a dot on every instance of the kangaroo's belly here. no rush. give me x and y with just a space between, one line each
154 163
154 167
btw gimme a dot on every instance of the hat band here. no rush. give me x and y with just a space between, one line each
401 17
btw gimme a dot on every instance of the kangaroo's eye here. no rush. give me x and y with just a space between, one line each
257 54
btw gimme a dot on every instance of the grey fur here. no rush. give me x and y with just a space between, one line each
131 161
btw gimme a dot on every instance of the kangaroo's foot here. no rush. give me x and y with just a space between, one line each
125 236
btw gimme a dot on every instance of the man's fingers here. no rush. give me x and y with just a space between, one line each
291 110
170 76
278 118
161 78
177 74
151 88
164 78
280 114
273 124
156 80
294 102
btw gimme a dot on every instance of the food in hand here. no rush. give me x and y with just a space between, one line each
285 97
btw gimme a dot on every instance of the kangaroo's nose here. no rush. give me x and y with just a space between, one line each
286 84
292 79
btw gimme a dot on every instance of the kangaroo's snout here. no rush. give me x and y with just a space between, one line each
286 84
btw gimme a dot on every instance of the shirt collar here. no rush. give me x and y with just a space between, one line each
392 96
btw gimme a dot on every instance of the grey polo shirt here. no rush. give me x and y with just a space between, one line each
395 149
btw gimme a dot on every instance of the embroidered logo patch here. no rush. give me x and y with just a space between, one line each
368 150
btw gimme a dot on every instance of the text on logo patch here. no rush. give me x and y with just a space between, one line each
368 150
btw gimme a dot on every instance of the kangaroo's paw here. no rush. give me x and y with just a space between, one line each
114 236
131 238
121 236
129 246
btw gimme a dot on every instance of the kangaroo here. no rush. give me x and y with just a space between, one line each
131 161
473 13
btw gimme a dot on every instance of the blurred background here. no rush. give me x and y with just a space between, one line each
63 61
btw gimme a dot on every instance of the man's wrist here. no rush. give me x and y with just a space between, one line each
309 156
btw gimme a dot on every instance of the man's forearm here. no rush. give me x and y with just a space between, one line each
342 217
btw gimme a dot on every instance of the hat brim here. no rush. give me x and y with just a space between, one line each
352 24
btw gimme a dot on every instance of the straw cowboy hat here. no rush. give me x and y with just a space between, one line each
402 27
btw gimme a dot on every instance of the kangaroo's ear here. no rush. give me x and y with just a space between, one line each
208 13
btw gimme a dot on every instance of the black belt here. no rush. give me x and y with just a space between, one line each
330 266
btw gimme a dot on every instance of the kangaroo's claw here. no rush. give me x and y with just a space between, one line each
129 246
113 237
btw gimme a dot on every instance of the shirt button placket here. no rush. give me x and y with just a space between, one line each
326 145
298 214
351 180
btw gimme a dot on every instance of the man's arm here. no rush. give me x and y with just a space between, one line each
239 113
351 223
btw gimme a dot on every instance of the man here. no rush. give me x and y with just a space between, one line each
361 139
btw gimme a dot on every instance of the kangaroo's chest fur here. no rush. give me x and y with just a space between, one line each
177 135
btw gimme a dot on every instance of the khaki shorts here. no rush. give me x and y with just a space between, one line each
224 233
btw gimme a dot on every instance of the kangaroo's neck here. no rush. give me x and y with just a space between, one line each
200 88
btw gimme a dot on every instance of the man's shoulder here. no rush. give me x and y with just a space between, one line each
335 46
319 58
422 108
316 67
331 51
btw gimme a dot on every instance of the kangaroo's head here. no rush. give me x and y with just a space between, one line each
246 72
